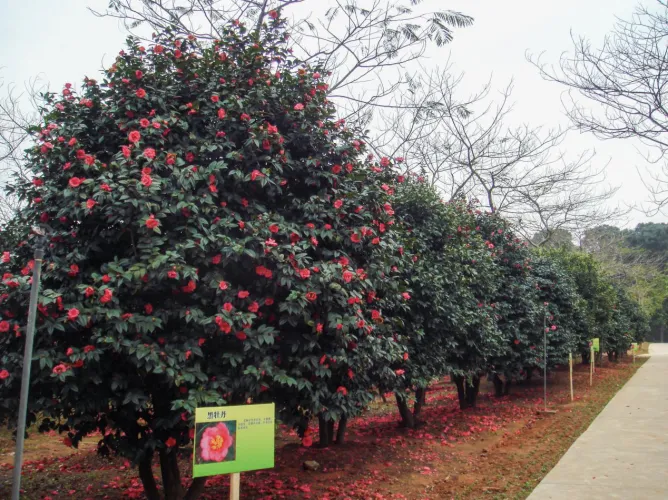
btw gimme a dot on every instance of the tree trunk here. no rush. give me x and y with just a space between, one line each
498 385
171 480
472 391
330 431
420 399
341 430
586 357
323 429
506 387
196 488
407 419
529 372
147 478
461 393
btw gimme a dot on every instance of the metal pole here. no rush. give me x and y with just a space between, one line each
25 378
545 360
570 372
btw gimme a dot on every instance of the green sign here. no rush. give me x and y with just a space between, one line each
233 439
596 345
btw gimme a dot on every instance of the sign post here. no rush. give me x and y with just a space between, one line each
570 372
25 377
591 364
634 349
233 439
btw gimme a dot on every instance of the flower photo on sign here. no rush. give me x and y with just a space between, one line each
215 442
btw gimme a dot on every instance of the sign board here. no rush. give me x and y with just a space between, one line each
596 345
231 439
634 346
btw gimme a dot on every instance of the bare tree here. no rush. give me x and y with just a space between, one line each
365 46
469 147
15 123
623 85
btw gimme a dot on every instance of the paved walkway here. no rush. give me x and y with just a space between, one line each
624 453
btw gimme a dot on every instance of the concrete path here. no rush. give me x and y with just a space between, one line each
624 452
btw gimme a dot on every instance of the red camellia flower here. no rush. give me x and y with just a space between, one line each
146 180
105 187
4 374
355 238
242 336
90 291
273 14
223 285
221 113
336 169
399 372
304 273
134 137
227 306
141 93
347 276
152 222
274 228
338 204
90 203
342 390
178 53
190 287
75 182
172 274
516 341
255 174
171 442
406 295
61 368
90 348
74 270
149 153
106 278
254 307
215 443
216 259
6 256
73 314
299 106
242 294
106 296
4 326
311 296
148 308
144 122
268 301
244 117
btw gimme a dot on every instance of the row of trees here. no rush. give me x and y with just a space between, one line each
215 234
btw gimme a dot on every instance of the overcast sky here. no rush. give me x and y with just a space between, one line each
61 41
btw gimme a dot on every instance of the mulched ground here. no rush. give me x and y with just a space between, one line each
499 450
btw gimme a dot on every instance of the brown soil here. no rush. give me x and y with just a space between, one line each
501 449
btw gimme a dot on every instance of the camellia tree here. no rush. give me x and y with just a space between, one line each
213 238
630 324
598 297
450 276
477 337
564 311
515 303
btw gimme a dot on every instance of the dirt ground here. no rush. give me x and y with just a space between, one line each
499 450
